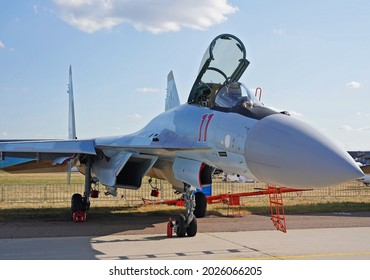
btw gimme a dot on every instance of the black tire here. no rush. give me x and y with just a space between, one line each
192 228
200 205
77 203
181 225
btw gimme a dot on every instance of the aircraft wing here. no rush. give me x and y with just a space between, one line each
159 151
45 149
167 141
164 143
365 169
51 155
362 155
41 155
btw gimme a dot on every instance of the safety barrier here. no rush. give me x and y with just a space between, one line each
50 194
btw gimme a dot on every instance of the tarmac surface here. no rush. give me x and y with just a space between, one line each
312 236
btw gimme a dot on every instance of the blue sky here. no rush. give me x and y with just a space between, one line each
311 58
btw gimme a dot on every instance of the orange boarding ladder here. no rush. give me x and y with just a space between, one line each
277 208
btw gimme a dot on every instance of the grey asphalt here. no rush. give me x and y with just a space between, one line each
143 237
330 242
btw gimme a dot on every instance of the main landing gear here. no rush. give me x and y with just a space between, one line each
187 224
80 204
200 205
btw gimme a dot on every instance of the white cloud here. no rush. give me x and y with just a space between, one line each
346 127
2 46
278 31
150 90
17 89
354 85
36 8
153 16
361 114
135 116
354 129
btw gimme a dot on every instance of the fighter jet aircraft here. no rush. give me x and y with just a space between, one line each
221 126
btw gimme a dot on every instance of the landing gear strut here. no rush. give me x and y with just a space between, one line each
80 204
187 224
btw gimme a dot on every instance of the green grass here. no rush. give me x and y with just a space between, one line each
46 203
329 207
304 205
103 213
39 178
112 212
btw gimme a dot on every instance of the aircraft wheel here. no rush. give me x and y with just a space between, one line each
193 227
180 225
200 205
77 203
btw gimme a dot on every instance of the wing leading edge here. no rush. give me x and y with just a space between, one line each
41 148
43 155
58 151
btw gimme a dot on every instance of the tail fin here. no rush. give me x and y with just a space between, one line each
71 122
172 97
71 112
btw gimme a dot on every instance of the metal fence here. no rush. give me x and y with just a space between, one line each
55 194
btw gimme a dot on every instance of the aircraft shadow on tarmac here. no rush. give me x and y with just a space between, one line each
84 239
30 222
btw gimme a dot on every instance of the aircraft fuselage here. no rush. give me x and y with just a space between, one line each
268 146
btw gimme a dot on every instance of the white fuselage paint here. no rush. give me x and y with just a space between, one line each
276 148
224 134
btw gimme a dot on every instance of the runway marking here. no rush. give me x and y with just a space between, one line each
234 251
308 256
222 252
243 246
207 252
214 253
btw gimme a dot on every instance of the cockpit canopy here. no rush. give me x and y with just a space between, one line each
233 94
217 85
223 63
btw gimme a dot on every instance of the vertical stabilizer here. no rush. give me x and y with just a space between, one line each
71 112
71 121
172 97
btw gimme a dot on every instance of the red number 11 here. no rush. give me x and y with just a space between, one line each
204 117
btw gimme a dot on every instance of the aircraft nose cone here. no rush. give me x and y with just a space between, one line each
284 151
